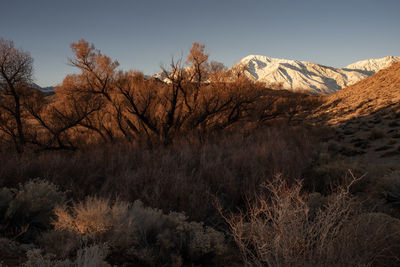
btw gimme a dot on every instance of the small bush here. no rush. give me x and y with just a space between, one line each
392 141
330 172
390 187
142 235
6 196
10 253
92 256
63 244
370 239
333 146
396 134
28 210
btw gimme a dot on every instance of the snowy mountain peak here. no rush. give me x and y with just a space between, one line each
262 61
298 75
374 65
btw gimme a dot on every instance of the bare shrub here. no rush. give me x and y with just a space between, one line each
62 244
91 256
389 185
279 229
30 208
6 195
10 253
140 234
36 259
329 172
370 239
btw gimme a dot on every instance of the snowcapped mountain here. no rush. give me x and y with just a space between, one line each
374 65
297 75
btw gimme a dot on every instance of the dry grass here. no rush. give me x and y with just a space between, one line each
183 177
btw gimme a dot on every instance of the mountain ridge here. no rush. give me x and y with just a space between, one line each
296 75
45 90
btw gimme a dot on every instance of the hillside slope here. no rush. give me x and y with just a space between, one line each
379 92
366 120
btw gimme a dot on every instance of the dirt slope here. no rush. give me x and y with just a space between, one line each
377 93
366 120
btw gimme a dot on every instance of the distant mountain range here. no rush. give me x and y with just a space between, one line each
295 75
46 90
317 79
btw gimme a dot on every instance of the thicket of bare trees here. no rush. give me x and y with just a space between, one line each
104 104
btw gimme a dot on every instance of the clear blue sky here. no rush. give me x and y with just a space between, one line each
143 34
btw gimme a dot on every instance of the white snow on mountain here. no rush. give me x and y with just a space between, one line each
297 75
374 65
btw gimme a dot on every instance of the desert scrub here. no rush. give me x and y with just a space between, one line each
285 227
333 146
389 185
331 171
11 254
91 256
376 134
141 235
392 141
182 177
28 210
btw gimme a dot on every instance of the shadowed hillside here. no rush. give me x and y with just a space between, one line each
365 116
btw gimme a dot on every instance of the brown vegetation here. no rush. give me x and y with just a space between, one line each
103 104
204 168
286 227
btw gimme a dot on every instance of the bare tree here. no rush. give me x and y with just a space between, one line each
198 98
96 80
138 105
97 70
56 121
16 67
197 61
